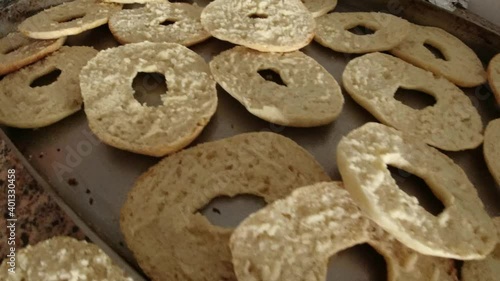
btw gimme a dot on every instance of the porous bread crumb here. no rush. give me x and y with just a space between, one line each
50 23
453 123
333 32
308 227
24 106
145 24
17 51
487 269
462 231
63 258
121 121
461 65
265 25
168 197
319 7
311 97
494 76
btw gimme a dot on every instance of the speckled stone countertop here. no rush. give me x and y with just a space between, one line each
38 216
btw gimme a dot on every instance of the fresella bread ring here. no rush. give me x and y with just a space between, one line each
17 51
24 105
463 230
309 97
459 64
62 258
491 148
68 19
333 31
161 219
487 269
494 76
159 22
452 123
119 120
293 238
266 26
320 7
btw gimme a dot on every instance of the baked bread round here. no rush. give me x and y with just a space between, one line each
453 123
17 51
146 24
460 64
320 7
491 148
311 96
333 32
69 18
162 209
462 231
266 26
119 120
487 269
494 76
293 238
26 106
62 258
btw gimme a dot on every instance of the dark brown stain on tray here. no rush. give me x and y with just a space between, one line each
38 215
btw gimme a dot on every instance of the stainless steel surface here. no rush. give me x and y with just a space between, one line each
67 152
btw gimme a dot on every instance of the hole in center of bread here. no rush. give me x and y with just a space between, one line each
133 6
229 212
360 262
435 51
417 187
414 99
46 79
272 76
258 16
70 18
149 87
167 22
361 30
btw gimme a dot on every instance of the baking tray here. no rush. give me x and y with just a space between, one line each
91 180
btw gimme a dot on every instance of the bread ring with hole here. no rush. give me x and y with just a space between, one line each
494 76
491 148
293 238
462 231
333 32
460 64
163 208
25 106
266 26
69 18
310 97
59 258
453 123
119 120
320 7
487 269
145 24
17 51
